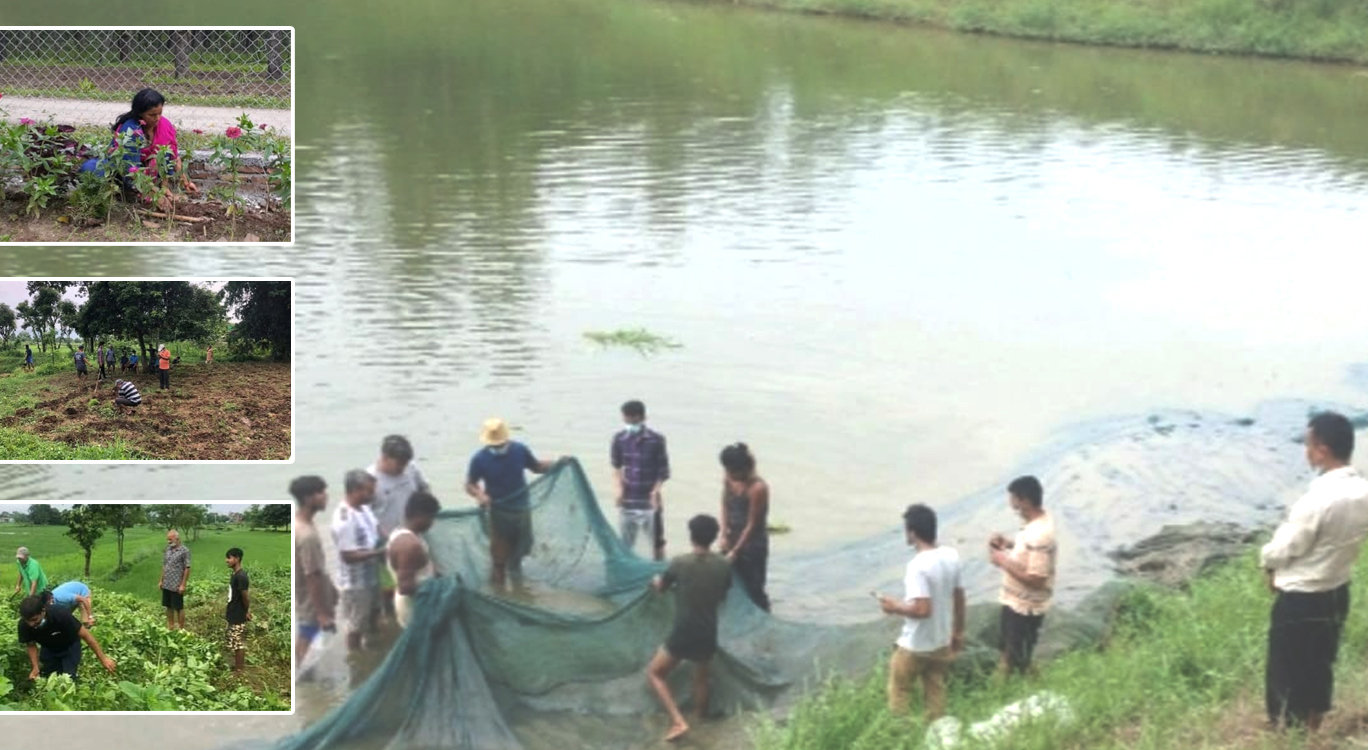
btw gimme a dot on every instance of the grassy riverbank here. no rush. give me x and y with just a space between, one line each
1177 670
1310 29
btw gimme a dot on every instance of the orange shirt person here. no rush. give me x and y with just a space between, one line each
164 363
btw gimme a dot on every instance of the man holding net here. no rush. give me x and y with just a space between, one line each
701 579
640 467
497 481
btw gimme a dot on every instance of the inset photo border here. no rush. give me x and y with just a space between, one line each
110 370
124 607
147 135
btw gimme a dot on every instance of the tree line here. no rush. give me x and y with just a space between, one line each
153 312
88 523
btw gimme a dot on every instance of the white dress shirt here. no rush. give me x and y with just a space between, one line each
1315 548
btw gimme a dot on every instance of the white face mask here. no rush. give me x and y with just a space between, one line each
498 450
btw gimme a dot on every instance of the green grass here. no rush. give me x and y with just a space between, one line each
63 559
18 445
203 100
1313 29
1178 670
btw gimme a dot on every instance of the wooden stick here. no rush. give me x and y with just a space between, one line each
189 219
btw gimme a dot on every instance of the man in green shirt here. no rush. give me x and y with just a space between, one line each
32 580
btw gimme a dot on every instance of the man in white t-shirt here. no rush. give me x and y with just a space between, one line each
396 479
933 605
356 535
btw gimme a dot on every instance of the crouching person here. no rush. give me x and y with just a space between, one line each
53 637
126 396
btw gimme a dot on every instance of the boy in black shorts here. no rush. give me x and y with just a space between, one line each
702 578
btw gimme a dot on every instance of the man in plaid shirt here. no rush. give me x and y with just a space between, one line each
640 466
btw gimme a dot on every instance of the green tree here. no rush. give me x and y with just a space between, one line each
276 516
86 524
67 321
264 317
40 313
42 514
121 518
8 323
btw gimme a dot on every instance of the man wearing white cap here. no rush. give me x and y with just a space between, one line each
497 481
32 580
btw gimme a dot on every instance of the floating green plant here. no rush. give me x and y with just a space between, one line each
639 339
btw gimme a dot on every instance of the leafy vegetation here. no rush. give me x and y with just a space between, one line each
639 339
1321 30
161 670
1179 669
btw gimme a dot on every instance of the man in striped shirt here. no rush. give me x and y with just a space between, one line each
126 396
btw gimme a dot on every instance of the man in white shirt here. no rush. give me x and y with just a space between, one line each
356 535
933 605
1028 575
1308 564
396 479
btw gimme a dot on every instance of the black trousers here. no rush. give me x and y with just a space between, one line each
102 372
750 567
1019 635
165 376
1303 643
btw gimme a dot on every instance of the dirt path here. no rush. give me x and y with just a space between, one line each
186 117
229 410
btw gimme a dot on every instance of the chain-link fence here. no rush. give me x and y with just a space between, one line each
191 67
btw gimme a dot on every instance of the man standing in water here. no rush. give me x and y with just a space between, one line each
410 558
497 482
640 467
1028 574
933 604
356 535
175 574
396 479
1308 564
701 578
315 596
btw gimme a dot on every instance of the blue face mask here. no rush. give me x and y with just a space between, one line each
632 428
498 450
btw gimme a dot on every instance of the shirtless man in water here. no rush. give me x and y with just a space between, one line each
410 560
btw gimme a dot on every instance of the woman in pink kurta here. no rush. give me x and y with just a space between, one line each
145 119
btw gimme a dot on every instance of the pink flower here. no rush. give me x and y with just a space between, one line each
25 121
197 131
132 170
233 132
262 126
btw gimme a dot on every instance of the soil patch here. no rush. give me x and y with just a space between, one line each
58 224
198 419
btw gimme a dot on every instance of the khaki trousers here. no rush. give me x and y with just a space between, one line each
931 666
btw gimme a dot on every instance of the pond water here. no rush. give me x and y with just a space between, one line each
899 262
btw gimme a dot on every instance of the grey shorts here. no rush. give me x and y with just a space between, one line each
359 607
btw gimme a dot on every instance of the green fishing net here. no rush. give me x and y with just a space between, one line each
577 642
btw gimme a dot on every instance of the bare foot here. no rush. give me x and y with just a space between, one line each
676 731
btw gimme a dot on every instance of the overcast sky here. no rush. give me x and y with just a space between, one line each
14 291
224 508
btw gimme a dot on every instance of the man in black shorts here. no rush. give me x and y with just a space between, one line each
175 574
702 578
